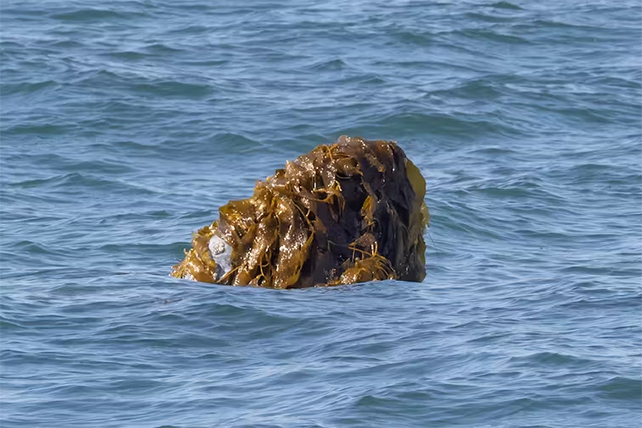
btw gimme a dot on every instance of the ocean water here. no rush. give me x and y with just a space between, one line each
125 125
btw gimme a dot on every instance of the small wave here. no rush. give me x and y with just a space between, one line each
11 325
191 29
194 62
161 48
415 38
133 146
147 249
129 55
33 248
400 125
328 65
174 89
544 23
39 129
493 36
474 89
28 88
489 18
519 188
98 167
622 388
64 185
505 5
539 359
494 151
234 143
94 15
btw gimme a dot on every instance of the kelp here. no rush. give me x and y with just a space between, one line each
344 213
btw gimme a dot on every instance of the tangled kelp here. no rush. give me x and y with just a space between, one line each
344 213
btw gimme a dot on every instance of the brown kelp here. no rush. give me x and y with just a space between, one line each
344 213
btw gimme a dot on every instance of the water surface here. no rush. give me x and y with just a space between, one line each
126 125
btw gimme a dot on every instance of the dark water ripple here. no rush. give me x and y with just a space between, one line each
125 126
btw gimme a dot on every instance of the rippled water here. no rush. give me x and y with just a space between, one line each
125 125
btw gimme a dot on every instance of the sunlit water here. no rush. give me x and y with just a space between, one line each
126 125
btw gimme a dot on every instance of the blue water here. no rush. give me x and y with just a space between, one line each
125 126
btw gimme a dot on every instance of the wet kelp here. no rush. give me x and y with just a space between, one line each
344 213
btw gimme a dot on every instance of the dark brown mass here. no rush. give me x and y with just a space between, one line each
344 213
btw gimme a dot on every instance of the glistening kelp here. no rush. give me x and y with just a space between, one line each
344 213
